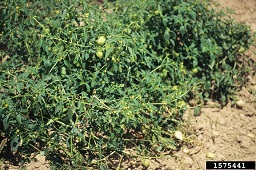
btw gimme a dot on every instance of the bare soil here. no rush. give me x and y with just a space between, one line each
221 134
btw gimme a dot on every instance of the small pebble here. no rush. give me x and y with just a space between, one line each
213 126
186 150
200 137
242 116
215 133
243 131
178 135
245 142
249 113
250 135
249 126
221 157
177 155
251 81
221 121
240 104
188 162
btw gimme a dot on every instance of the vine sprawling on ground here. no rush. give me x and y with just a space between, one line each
86 82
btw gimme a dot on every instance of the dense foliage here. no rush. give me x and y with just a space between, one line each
85 81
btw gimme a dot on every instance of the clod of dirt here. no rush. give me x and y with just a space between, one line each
245 142
188 162
221 121
186 150
215 133
39 163
250 135
200 137
221 157
249 113
250 80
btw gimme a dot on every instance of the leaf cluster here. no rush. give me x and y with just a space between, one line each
82 100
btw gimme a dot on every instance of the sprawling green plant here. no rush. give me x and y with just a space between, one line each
86 82
208 45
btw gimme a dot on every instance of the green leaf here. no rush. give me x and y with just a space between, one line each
192 14
167 35
70 115
58 108
18 118
67 64
47 78
85 36
108 51
14 142
183 30
165 21
64 14
223 98
212 64
6 122
63 71
197 111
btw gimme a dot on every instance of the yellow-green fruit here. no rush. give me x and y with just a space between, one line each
101 40
194 70
157 12
145 162
164 73
99 54
46 30
176 54
241 49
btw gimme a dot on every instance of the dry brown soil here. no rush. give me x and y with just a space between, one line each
225 134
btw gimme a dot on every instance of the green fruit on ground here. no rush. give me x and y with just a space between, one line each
145 162
99 54
241 50
101 40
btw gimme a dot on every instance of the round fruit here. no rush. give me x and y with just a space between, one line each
145 162
46 30
101 40
195 70
176 54
210 155
241 50
157 12
99 54
164 73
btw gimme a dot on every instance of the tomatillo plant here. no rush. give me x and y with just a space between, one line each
84 83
